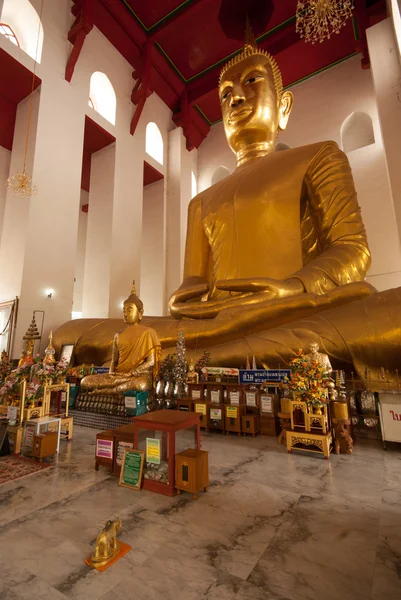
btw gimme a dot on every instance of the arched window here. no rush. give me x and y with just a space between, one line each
219 174
9 34
194 185
102 96
23 21
357 132
281 146
154 142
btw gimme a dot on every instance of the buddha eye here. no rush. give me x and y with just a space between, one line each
253 79
225 95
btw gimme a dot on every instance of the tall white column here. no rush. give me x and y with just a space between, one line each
17 209
98 242
5 160
51 236
386 72
127 219
181 164
153 254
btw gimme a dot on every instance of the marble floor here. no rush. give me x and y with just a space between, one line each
273 525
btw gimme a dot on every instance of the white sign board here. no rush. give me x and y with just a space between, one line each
390 416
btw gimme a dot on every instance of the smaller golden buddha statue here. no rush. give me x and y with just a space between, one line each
319 358
4 357
135 356
192 375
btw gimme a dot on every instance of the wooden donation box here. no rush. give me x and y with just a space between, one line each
45 444
216 417
234 414
192 472
251 424
155 433
269 407
201 408
196 391
185 404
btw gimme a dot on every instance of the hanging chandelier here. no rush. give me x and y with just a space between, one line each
21 183
317 20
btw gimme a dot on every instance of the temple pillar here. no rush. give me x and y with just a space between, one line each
386 72
51 231
127 217
181 165
95 301
17 209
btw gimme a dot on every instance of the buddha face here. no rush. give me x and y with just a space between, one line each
314 347
251 111
131 313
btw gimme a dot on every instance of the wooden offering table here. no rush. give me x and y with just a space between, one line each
158 451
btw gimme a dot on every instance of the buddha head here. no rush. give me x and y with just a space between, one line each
314 347
132 308
253 103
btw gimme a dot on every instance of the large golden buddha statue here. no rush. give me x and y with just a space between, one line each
276 253
134 358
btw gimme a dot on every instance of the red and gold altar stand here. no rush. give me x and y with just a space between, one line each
310 429
162 427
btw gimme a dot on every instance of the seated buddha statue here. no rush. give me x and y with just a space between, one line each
134 359
276 253
318 358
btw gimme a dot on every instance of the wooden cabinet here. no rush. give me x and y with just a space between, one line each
215 393
235 395
234 415
269 425
196 391
45 444
251 424
185 404
202 409
216 417
192 471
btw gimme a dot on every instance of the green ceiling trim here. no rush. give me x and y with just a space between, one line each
170 62
162 20
204 116
298 81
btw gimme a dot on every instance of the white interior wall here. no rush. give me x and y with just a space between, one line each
81 254
321 105
153 249
5 160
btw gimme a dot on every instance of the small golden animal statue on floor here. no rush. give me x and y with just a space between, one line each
107 546
135 356
343 442
192 375
319 358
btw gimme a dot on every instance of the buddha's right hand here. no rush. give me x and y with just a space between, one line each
185 293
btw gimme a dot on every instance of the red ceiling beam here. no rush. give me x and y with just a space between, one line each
83 24
362 19
275 43
143 88
194 8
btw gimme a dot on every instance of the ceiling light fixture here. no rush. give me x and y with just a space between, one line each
317 20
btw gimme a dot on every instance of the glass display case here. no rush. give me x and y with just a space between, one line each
162 434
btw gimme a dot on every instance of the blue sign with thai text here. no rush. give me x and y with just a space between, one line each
263 375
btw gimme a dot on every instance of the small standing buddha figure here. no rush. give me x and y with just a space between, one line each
50 352
319 358
192 375
135 355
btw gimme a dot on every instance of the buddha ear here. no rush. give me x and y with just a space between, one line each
140 314
286 102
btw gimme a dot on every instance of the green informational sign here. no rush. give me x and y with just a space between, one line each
131 469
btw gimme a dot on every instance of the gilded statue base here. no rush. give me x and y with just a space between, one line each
310 442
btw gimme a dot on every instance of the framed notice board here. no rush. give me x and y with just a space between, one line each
131 469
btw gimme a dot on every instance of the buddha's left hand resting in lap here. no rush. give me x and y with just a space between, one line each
134 359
